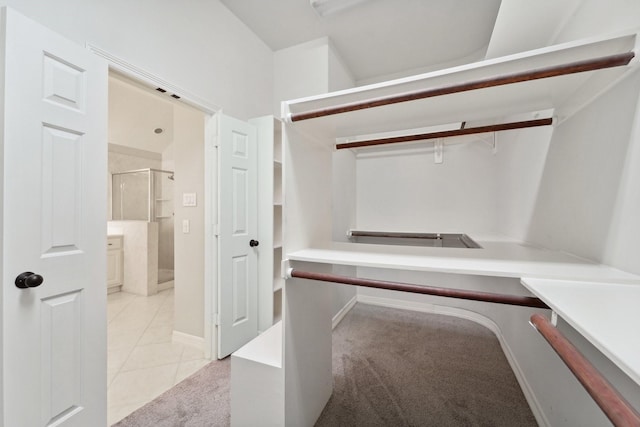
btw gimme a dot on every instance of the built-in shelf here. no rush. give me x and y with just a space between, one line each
269 130
496 258
562 78
588 308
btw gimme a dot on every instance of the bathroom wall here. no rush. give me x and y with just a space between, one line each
189 246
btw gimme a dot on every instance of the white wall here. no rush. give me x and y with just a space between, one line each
308 69
407 191
594 17
339 75
520 157
200 46
524 25
588 203
300 71
189 247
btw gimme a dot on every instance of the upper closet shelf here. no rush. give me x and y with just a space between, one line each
562 78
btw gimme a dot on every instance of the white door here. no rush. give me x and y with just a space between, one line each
54 154
238 231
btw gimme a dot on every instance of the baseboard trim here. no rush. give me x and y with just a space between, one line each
186 339
533 402
343 312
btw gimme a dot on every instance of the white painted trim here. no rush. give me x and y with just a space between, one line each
187 339
343 312
210 239
535 406
148 79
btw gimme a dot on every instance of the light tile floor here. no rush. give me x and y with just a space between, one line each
143 362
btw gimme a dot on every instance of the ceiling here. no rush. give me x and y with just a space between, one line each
379 39
135 112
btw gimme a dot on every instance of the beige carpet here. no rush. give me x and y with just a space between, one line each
202 400
391 368
400 368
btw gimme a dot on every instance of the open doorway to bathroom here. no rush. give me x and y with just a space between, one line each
155 269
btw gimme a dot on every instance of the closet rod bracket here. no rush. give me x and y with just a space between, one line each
438 151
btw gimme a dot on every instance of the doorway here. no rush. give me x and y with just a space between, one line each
154 329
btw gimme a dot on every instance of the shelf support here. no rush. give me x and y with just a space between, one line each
438 151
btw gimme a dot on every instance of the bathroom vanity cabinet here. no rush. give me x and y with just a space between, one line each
115 261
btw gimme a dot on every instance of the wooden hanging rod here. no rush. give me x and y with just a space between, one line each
420 289
542 73
446 133
615 407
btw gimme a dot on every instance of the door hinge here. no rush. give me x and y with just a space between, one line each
216 230
216 319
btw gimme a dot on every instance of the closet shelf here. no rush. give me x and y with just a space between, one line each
563 78
496 258
608 330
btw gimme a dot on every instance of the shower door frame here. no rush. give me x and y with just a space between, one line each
151 207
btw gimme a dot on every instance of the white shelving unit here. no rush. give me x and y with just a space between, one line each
523 86
517 89
270 200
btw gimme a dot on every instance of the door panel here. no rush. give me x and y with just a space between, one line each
54 172
238 262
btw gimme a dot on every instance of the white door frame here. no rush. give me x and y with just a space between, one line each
210 182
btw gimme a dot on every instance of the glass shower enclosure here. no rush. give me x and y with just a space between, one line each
147 195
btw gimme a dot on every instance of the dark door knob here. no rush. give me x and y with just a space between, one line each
29 280
253 243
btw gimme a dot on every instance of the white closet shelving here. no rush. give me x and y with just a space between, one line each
557 81
516 87
270 197
485 92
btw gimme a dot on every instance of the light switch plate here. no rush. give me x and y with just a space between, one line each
185 225
189 199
